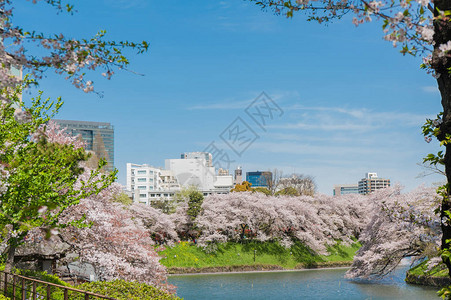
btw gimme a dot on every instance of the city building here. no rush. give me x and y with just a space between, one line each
372 183
344 189
223 172
238 176
98 137
192 171
147 183
259 179
196 169
199 155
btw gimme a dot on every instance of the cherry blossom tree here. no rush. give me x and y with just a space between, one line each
402 225
117 240
160 226
118 244
56 134
67 56
35 200
317 221
420 27
39 178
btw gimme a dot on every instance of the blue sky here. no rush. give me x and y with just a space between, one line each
351 103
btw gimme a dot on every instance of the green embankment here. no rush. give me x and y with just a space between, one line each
436 276
439 270
185 257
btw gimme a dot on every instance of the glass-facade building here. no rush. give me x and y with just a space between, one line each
345 189
98 137
258 179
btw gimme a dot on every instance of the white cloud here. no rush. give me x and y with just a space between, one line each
232 103
343 119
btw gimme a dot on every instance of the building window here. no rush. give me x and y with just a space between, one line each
141 179
142 195
142 187
141 171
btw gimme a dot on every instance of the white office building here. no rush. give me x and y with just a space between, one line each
372 183
142 180
147 183
192 172
196 169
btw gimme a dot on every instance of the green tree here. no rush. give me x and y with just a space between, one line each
39 179
166 206
262 190
195 204
288 191
122 198
183 194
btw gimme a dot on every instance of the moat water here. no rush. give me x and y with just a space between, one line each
307 284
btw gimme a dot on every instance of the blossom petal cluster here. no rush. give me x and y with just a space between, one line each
402 225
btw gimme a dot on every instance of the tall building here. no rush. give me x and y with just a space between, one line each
372 183
344 189
259 179
98 137
238 176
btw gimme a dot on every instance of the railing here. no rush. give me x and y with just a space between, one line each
20 287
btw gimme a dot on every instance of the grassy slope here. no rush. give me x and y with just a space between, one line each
438 271
235 254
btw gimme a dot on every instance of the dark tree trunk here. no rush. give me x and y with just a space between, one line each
441 64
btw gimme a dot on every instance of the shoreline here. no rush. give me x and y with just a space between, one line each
182 271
